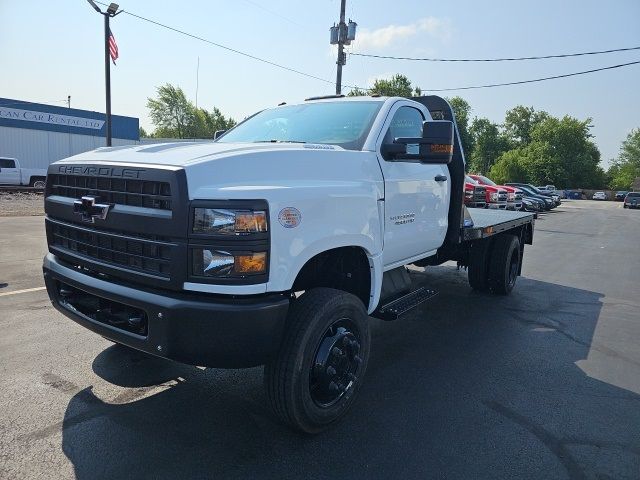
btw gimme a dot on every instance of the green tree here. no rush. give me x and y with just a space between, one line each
462 112
560 151
142 133
519 123
508 168
171 112
175 116
397 86
488 144
626 168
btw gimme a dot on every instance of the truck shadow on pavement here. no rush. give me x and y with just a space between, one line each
468 386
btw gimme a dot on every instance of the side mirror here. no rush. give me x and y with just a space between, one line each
218 133
435 145
437 141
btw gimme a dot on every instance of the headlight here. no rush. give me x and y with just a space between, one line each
494 196
223 264
219 221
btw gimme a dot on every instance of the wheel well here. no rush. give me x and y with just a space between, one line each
345 268
35 178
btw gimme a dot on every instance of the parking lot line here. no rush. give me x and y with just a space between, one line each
26 290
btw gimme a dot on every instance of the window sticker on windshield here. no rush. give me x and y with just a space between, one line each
289 217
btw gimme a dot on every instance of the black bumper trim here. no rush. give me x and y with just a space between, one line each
197 329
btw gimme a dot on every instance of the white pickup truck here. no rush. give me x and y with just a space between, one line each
12 174
274 244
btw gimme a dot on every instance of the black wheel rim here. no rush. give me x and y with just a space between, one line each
514 262
336 363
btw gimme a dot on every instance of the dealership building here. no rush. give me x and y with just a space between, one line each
38 134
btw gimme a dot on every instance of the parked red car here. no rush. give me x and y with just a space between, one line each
496 197
514 197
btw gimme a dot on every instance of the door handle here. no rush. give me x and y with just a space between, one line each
441 178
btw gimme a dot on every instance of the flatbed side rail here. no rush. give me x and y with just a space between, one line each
484 231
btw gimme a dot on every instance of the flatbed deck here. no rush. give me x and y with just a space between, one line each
488 222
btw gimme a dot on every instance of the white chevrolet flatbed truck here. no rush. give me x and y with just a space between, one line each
274 244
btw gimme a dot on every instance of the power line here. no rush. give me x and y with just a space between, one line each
219 45
293 70
529 81
514 59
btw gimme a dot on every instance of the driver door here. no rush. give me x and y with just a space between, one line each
416 194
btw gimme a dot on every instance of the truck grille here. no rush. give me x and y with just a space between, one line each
479 195
518 197
502 196
148 254
137 193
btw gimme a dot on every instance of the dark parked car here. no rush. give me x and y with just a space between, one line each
537 191
620 196
549 203
632 200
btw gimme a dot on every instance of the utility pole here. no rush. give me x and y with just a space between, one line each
341 35
69 101
112 11
341 60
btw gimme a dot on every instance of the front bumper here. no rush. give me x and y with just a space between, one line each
197 329
501 206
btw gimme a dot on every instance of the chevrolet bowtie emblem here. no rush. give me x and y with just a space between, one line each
89 210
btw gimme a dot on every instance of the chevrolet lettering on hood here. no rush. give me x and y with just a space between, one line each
100 171
89 210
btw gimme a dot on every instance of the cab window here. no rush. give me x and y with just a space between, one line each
406 122
6 163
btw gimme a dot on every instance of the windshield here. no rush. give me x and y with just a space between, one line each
484 180
526 189
633 195
345 124
468 179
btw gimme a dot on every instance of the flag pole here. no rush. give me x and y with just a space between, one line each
112 11
107 77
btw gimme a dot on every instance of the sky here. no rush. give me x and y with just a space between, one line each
49 50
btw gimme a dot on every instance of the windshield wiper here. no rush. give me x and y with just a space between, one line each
278 141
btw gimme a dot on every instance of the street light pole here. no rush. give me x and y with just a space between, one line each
111 11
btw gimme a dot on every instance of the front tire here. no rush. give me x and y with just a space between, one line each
322 360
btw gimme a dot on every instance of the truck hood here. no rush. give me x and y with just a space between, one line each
249 170
181 154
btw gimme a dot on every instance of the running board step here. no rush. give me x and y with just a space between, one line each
398 307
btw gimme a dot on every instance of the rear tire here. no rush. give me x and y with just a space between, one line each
321 362
478 268
38 182
504 266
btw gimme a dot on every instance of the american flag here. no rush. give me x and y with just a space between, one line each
113 47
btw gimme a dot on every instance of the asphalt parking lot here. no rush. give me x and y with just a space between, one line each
544 383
